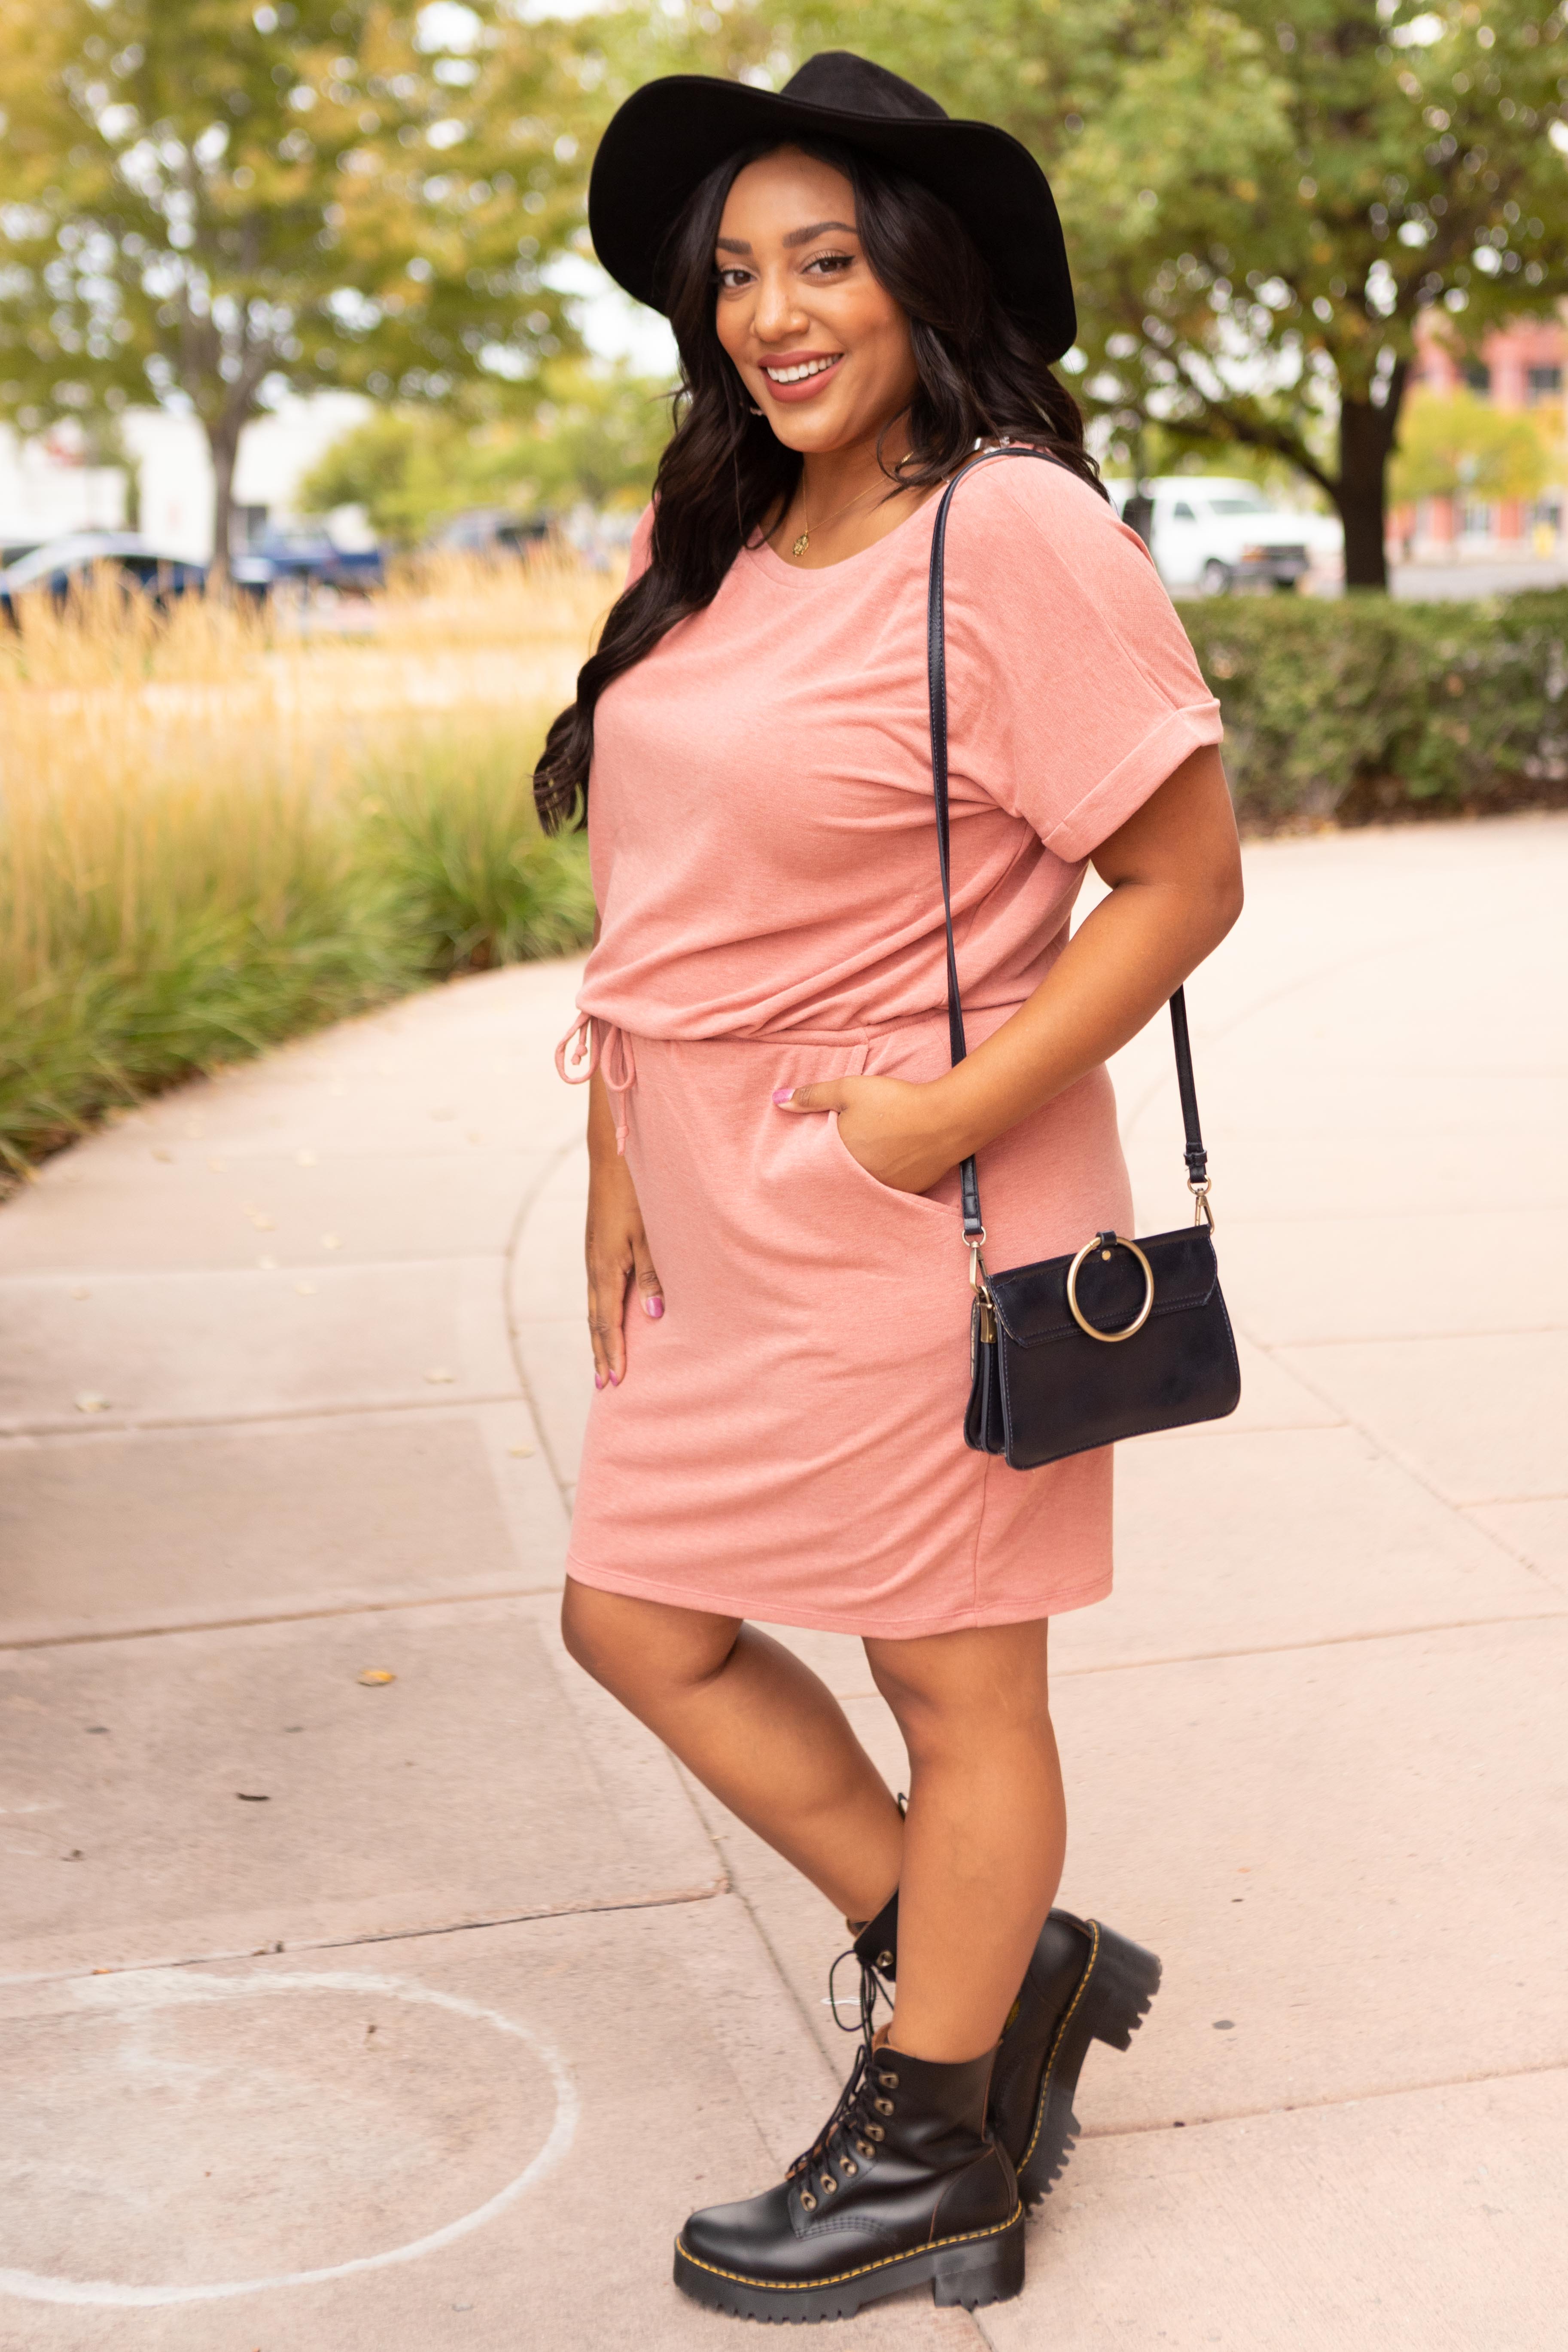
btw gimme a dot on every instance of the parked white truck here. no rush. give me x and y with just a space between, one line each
1213 533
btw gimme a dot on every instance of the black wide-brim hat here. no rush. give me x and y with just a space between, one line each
661 144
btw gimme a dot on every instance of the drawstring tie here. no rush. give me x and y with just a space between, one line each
608 1050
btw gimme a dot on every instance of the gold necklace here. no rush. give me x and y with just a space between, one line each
804 542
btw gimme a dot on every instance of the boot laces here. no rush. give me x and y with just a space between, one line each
852 2134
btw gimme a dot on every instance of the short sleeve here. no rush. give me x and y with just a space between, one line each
1072 689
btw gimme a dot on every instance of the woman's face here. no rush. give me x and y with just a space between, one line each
822 349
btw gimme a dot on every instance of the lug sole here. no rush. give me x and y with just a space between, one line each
1111 2003
983 2266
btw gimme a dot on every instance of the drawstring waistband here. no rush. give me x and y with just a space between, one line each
608 1050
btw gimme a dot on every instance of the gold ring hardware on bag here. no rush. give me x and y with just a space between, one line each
1202 1210
1121 1242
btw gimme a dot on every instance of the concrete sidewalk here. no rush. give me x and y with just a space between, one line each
393 2015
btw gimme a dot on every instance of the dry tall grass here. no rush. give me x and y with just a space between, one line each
217 828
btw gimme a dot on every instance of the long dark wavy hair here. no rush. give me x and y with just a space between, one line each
723 476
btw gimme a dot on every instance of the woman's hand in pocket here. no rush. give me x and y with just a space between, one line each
620 1265
895 1129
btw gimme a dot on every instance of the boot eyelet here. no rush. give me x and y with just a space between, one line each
883 2107
876 2132
850 2167
865 2149
829 2185
889 2081
885 1960
809 2201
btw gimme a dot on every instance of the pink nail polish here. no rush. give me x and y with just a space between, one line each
782 1095
655 1306
615 1380
599 1379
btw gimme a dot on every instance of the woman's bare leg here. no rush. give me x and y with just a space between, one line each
757 1727
986 1831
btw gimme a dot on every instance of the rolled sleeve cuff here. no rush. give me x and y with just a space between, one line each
1133 781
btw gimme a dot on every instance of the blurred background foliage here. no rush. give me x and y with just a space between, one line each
589 434
206 198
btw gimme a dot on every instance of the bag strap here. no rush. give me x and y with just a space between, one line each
936 675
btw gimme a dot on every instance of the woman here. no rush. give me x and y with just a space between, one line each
864 293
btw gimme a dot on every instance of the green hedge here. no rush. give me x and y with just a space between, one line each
1361 710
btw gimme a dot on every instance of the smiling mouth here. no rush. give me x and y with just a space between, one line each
800 371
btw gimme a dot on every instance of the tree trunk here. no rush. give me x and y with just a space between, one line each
1367 435
223 440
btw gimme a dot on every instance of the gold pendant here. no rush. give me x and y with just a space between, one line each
802 543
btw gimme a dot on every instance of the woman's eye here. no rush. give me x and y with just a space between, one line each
730 278
830 265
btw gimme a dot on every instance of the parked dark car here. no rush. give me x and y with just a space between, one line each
60 564
305 559
491 530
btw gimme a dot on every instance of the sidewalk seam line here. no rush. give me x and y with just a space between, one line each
1391 1453
1323 1641
586 1906
1350 2099
106 1425
279 1617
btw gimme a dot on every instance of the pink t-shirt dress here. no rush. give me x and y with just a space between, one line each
787 1444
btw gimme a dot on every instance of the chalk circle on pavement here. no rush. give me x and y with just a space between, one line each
137 1991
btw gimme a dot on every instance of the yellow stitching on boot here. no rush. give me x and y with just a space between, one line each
1093 1926
822 2285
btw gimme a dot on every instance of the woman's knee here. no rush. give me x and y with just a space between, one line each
638 1646
957 1690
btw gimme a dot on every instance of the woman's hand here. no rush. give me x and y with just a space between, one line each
1175 876
615 1245
898 1131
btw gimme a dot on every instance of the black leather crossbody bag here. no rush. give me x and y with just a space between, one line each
1124 1336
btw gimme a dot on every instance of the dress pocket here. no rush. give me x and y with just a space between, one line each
883 1194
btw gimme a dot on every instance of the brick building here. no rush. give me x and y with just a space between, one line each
1520 366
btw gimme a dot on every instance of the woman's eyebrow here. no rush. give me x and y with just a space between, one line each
795 236
805 235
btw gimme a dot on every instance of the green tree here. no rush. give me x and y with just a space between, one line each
1261 199
1452 444
207 201
591 434
402 466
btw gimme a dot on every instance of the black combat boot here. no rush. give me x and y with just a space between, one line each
1085 1983
903 2185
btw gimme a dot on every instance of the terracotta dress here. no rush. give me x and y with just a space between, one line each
787 1443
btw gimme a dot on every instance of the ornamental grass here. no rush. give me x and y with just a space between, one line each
219 828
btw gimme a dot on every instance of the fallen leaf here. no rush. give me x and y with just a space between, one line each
522 1450
439 1377
90 1401
248 1797
375 1676
159 1153
264 1224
